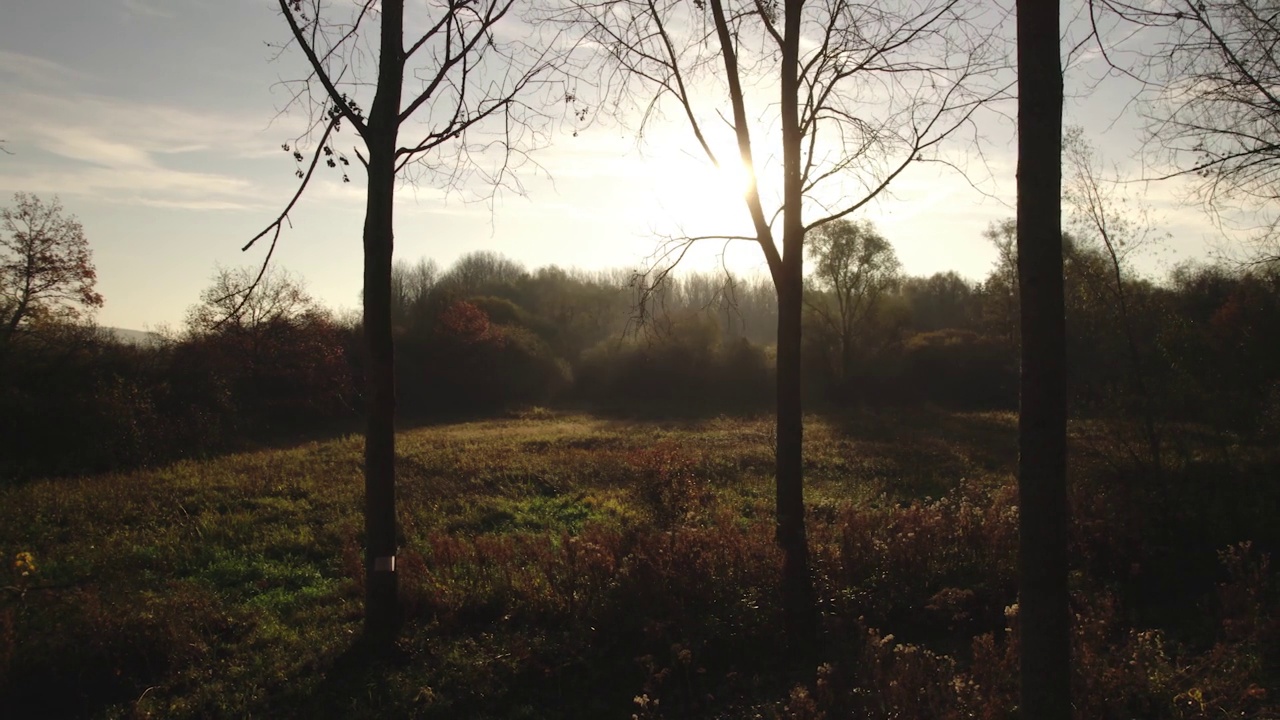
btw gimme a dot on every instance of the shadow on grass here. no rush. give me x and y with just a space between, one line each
249 441
357 684
918 451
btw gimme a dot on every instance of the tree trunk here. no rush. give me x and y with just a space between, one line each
797 583
1042 426
382 607
11 327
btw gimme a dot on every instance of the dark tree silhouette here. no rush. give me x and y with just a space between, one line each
1042 421
453 79
46 266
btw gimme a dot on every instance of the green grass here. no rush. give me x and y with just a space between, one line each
552 566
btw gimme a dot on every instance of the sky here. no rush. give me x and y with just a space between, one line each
158 124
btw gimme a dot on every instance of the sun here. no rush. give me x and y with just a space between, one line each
734 177
701 197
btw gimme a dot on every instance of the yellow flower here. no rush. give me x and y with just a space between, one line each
25 563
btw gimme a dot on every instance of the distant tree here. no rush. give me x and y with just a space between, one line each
465 323
46 266
1001 285
411 287
277 350
854 267
941 301
483 273
583 309
229 305
959 368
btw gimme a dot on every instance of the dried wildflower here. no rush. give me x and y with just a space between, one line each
24 563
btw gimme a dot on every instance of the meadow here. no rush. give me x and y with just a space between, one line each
557 565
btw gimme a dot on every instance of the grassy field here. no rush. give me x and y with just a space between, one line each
565 566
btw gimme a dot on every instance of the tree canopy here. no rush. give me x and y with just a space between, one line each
46 266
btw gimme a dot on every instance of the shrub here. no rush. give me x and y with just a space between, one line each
961 369
688 371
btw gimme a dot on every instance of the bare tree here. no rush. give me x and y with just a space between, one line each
1002 283
411 286
830 101
1042 419
1211 73
1100 214
461 91
278 297
478 272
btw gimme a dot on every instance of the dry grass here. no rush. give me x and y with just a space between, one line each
567 566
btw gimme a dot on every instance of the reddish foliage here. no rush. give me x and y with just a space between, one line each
464 322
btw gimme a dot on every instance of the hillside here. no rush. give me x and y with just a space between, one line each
140 338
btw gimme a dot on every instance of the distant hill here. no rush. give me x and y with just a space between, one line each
133 337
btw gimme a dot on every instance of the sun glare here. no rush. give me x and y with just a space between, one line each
700 197
734 178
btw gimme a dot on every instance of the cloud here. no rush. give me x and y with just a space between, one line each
34 71
139 7
146 185
81 144
119 168
129 152
144 8
192 204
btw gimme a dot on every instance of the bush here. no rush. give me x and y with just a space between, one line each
283 375
78 403
961 369
686 372
469 363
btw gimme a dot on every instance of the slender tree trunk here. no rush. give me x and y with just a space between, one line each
846 354
382 607
11 327
1042 427
1136 373
797 582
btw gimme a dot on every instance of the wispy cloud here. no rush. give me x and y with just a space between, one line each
34 71
146 8
125 151
82 144
149 186
125 167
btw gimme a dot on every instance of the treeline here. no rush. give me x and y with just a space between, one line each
487 334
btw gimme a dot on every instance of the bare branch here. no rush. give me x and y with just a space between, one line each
1210 101
277 225
494 12
339 100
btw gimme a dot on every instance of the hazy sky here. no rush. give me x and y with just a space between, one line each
156 123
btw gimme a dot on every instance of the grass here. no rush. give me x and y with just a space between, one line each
563 566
